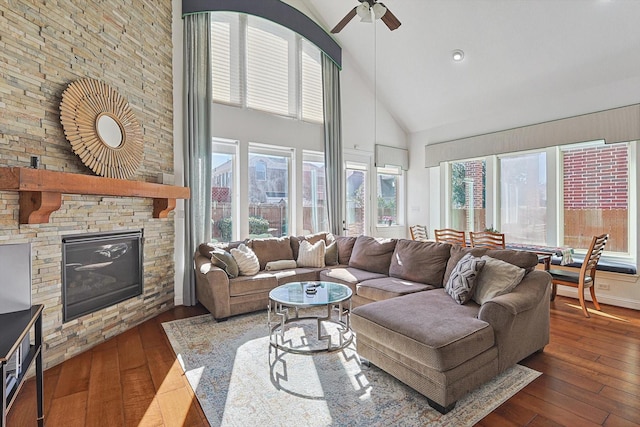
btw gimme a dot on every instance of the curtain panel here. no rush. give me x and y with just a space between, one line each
197 140
333 144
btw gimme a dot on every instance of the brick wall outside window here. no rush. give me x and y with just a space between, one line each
596 177
596 196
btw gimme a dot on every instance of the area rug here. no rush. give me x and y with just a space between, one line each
240 380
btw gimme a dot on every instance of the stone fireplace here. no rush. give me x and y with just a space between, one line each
127 45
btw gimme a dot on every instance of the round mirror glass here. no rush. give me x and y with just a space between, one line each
109 131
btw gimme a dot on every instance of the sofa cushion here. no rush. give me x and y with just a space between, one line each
523 259
311 255
462 281
348 275
456 254
345 248
297 275
423 262
388 287
246 285
246 259
271 249
496 278
331 254
428 326
225 261
372 254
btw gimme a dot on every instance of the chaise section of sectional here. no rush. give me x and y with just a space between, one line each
429 342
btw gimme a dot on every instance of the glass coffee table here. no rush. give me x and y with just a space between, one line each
333 305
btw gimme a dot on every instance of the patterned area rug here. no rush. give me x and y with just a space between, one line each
241 381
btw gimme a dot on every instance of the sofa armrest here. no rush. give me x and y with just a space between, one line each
524 297
520 319
212 287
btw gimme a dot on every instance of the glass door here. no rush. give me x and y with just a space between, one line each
357 196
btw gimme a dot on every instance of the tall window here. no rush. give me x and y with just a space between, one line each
314 194
356 192
468 195
222 191
269 198
389 182
523 198
262 65
596 195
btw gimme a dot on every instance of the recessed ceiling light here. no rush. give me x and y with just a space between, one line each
457 55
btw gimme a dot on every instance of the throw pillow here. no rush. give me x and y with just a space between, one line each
283 264
247 261
331 254
225 261
463 278
311 255
497 278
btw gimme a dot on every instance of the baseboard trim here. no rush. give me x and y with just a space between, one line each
604 299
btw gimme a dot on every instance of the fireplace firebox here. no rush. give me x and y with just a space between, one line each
100 270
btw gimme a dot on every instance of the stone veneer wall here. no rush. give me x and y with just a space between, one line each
43 47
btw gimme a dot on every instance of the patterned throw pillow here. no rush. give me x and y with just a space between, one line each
311 255
247 261
224 260
463 278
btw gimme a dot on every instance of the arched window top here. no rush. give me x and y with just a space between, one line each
276 11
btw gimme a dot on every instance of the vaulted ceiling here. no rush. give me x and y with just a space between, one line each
525 61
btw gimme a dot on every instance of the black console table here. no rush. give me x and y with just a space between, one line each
14 329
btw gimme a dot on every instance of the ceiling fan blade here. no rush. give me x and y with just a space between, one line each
390 19
344 21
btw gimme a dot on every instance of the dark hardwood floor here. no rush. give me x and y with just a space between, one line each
591 376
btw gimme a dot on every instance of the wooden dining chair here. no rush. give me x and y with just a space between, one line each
449 235
487 239
586 278
418 232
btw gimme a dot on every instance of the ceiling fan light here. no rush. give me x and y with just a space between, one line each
364 12
379 10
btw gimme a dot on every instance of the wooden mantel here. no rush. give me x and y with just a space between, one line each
41 191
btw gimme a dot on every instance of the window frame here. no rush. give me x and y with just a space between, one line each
400 195
555 198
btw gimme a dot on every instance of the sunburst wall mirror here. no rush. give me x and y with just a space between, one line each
102 129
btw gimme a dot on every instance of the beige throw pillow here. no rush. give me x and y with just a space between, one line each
247 261
496 278
311 255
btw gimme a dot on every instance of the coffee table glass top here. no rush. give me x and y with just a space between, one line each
310 293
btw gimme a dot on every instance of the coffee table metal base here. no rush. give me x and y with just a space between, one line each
281 312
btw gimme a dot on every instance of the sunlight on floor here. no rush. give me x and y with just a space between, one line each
598 313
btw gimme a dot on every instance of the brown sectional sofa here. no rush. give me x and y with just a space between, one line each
405 322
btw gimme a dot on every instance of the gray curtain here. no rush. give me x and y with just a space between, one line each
197 140
333 144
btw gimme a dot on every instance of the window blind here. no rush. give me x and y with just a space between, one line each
225 66
311 82
267 67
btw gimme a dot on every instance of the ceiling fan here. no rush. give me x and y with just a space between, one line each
365 10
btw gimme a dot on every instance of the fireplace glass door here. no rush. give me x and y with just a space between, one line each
100 270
